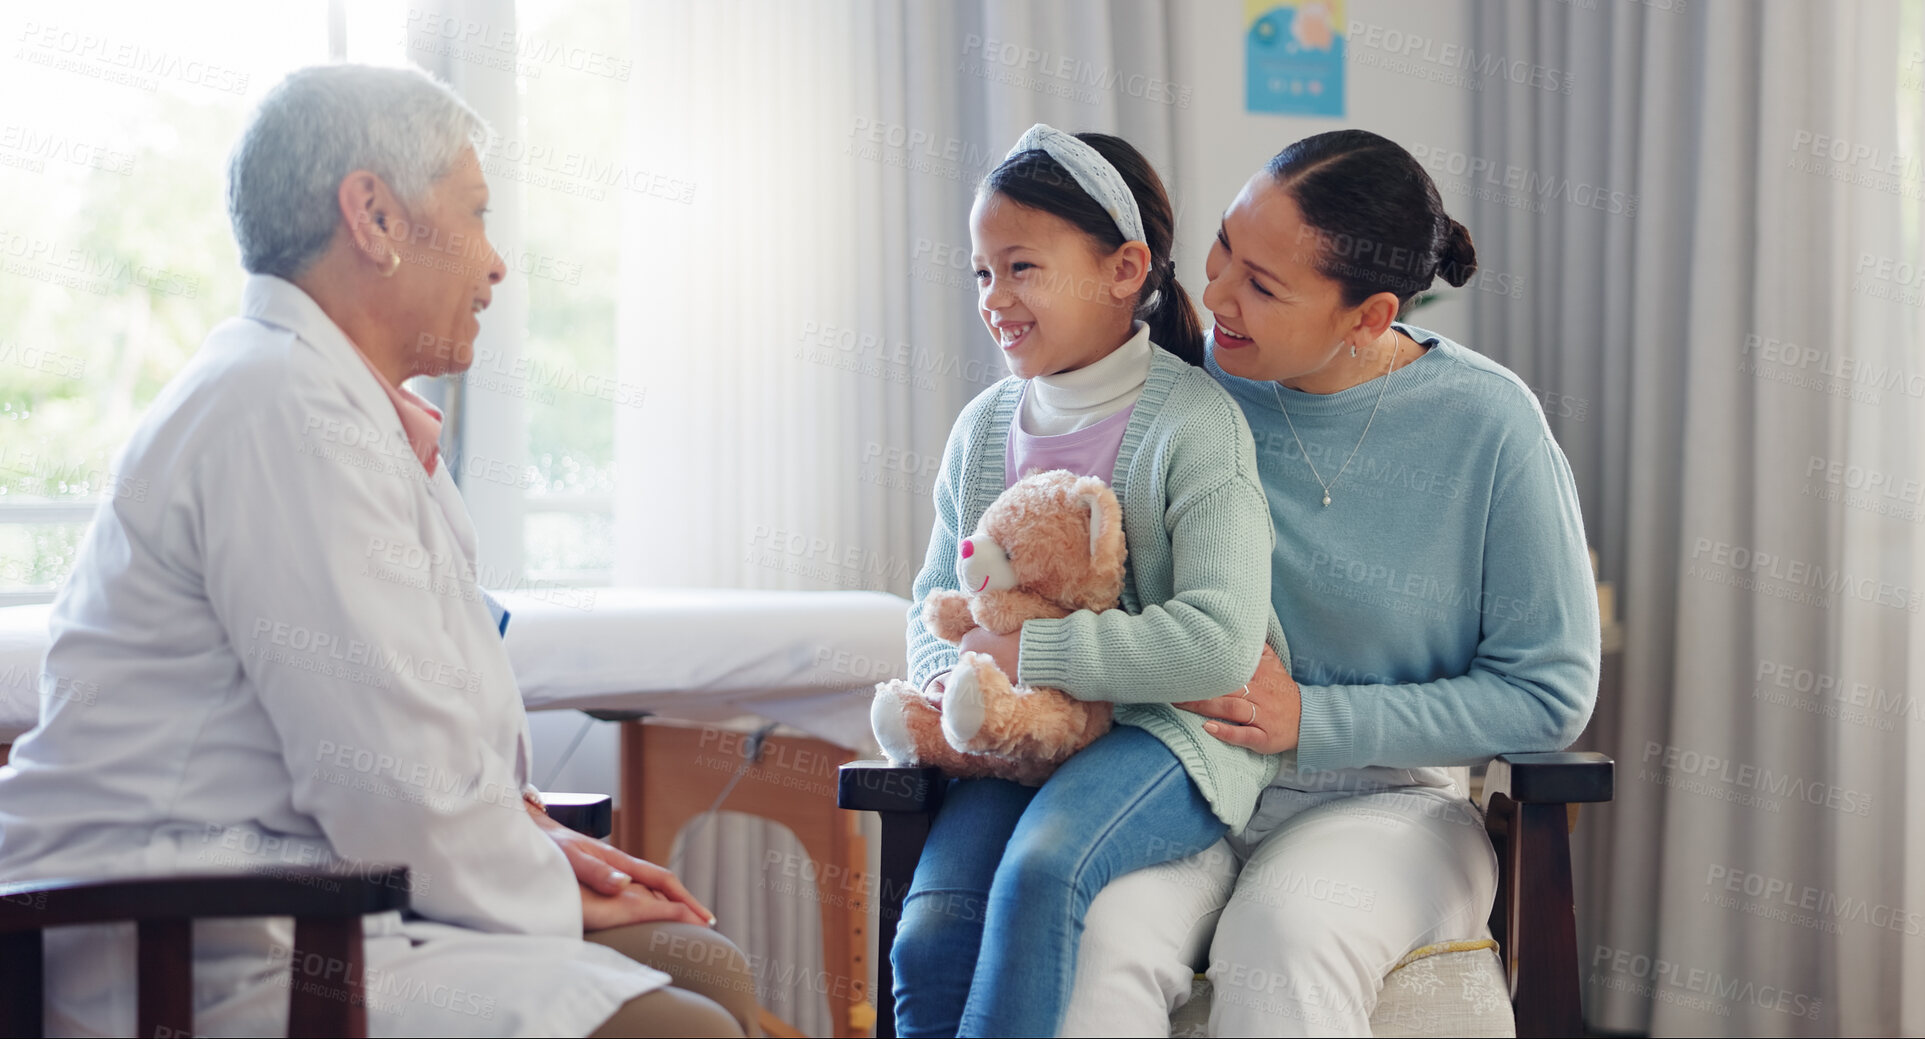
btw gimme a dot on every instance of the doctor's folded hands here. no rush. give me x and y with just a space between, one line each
295 664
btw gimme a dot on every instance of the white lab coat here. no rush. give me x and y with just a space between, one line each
272 652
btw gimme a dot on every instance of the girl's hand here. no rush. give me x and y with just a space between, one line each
1004 649
1266 720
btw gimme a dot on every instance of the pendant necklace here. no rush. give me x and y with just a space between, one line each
1398 345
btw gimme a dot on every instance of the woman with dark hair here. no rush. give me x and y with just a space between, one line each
1071 238
1430 567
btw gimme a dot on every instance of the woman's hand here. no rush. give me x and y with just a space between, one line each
1004 649
617 884
1266 719
637 904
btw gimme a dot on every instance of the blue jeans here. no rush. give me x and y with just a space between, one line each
991 924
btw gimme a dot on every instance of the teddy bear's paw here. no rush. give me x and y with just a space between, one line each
962 708
886 717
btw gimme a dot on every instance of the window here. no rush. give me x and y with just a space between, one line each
115 255
123 261
546 363
574 87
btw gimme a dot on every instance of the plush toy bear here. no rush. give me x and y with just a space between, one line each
1048 546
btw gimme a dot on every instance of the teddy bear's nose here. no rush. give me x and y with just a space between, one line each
968 549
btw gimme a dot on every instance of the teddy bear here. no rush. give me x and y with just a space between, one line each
1048 546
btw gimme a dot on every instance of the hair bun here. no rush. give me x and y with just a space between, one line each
1457 260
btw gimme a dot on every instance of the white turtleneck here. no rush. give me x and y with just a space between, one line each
1069 401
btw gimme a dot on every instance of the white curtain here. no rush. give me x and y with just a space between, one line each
1727 230
802 314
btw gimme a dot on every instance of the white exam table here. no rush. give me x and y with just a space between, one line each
809 660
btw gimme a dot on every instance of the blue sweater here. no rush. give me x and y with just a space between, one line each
1442 608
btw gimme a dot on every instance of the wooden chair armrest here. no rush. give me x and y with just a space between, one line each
878 786
589 814
907 797
36 904
1527 801
1563 777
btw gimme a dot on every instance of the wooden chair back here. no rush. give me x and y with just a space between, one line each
325 996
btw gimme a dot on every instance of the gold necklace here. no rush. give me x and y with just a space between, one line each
1395 346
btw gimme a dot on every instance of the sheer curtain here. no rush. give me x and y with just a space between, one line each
1725 212
798 298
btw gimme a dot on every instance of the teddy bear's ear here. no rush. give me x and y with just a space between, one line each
1098 517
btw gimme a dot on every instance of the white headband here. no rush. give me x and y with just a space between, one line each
1094 175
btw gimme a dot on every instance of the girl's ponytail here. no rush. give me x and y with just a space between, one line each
1173 322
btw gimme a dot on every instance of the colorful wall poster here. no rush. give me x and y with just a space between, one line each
1294 56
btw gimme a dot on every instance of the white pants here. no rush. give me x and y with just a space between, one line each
1302 916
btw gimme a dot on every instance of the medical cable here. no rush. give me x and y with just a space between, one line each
549 782
751 753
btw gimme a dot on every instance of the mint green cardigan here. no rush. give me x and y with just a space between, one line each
1192 623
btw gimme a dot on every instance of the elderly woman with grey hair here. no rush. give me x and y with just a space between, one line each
287 656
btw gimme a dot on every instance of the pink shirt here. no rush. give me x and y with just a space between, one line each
1090 451
420 420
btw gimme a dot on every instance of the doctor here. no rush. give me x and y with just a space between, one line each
287 659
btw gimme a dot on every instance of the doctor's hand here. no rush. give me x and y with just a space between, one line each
611 873
1004 649
636 904
1266 716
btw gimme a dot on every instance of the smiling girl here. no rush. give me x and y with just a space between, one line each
1071 238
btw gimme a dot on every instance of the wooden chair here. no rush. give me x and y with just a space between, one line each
1529 803
325 997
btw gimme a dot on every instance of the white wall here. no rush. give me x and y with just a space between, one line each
1219 145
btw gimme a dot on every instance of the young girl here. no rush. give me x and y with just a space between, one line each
1071 238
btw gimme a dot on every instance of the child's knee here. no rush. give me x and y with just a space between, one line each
1039 870
940 931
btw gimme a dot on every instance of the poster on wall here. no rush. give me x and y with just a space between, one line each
1293 56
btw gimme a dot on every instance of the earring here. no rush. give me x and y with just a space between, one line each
394 264
1353 349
